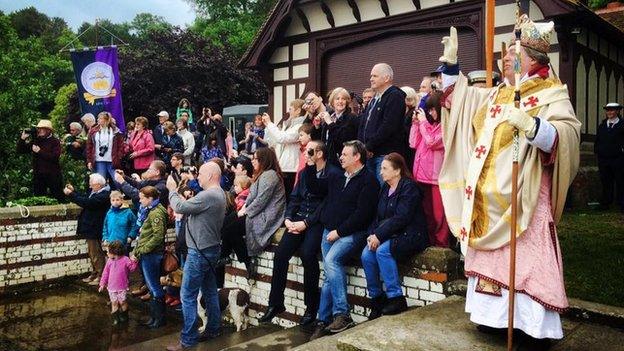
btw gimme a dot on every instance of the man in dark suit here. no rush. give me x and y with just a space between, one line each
609 149
381 125
159 131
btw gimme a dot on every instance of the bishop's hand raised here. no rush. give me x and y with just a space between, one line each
450 48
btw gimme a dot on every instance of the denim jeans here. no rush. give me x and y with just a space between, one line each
150 265
334 290
374 165
380 265
199 274
105 169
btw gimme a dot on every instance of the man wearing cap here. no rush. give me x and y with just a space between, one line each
46 151
159 131
478 79
475 183
609 149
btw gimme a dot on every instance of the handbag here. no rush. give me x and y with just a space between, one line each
170 261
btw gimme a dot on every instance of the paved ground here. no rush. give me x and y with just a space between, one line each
444 326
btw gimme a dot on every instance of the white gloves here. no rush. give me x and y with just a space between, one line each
450 48
521 120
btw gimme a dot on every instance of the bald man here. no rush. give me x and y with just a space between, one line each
204 213
381 125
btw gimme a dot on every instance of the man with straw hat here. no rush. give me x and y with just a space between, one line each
46 151
475 183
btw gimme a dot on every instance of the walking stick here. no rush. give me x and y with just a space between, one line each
489 41
514 196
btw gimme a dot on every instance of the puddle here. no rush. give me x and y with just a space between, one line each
69 318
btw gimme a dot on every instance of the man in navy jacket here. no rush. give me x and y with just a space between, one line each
609 149
346 213
381 125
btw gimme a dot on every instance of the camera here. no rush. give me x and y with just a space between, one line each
189 169
103 150
311 152
30 131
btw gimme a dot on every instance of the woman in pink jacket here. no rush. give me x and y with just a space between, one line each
141 146
426 139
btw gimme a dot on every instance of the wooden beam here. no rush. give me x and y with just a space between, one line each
356 10
328 14
303 18
384 7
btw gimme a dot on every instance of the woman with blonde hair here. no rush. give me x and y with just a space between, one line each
340 126
105 147
284 137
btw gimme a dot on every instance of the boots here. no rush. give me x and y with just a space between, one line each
160 308
115 318
377 304
123 316
395 305
151 319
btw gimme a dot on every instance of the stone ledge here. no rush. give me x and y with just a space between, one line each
12 215
596 313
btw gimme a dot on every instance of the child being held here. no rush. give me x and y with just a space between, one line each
118 222
241 187
116 278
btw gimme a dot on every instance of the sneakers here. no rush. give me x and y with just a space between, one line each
140 291
95 281
341 323
319 331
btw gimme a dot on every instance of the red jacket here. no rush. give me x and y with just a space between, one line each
118 151
142 145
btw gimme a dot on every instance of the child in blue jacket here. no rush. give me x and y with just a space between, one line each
119 222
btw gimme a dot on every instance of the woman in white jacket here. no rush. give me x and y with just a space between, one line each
284 138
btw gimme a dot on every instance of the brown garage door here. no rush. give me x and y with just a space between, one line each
411 55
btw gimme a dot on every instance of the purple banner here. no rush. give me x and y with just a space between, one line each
99 85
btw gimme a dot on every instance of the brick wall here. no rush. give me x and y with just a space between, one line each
42 246
425 280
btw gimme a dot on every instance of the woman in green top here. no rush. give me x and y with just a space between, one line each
152 223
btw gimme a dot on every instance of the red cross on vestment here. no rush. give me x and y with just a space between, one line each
495 110
532 101
480 151
468 192
463 233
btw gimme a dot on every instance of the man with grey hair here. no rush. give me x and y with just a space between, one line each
75 141
381 126
88 119
95 204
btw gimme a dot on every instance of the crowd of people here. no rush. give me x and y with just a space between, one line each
347 177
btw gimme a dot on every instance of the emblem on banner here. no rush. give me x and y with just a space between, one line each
98 80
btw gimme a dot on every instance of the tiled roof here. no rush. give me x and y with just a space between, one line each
613 15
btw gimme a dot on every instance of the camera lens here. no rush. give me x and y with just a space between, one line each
310 152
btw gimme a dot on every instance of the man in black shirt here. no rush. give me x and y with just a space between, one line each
609 149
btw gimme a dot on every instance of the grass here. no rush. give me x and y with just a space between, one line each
592 244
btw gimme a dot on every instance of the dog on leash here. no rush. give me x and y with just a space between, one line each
232 300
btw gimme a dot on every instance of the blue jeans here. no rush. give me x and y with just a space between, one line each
105 169
374 165
334 290
150 265
200 274
380 264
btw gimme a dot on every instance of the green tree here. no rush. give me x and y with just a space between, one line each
28 74
233 22
93 36
169 66
145 23
53 32
65 105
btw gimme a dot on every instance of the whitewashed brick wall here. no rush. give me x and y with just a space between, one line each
42 246
420 286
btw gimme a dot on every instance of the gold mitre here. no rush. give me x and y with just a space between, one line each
533 35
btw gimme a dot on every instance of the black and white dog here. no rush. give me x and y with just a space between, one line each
232 300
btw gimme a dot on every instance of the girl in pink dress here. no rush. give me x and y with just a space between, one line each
115 278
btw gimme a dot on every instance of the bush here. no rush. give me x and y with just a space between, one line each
34 201
65 104
597 4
